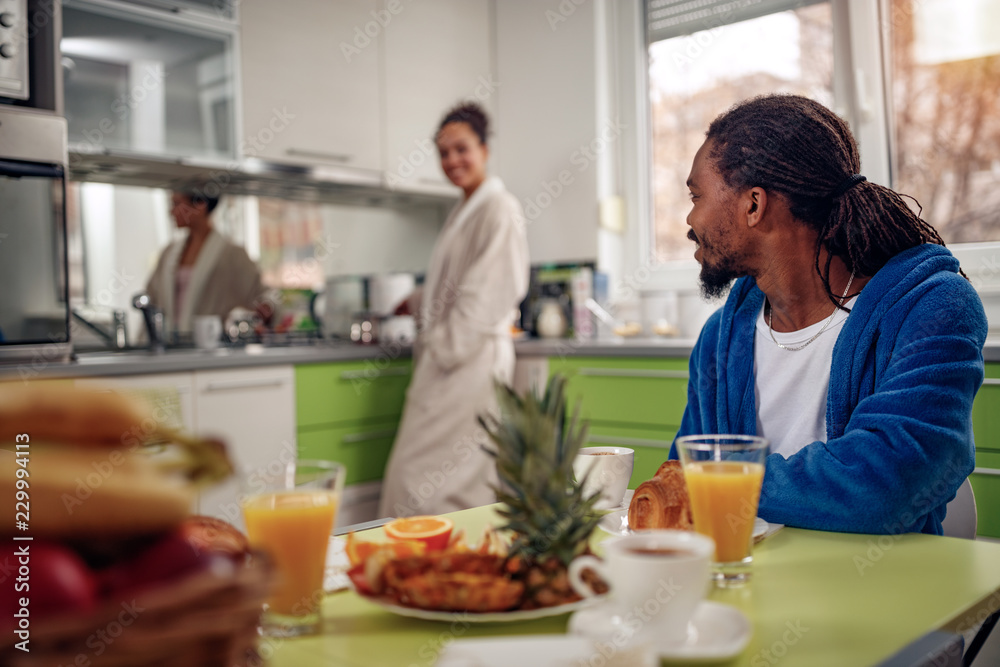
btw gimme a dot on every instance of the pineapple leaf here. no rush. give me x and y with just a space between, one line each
534 445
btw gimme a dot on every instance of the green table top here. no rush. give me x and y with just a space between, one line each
816 599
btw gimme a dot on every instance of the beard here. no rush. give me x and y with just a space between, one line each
717 276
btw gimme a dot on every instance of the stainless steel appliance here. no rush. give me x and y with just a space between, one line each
34 302
14 49
30 74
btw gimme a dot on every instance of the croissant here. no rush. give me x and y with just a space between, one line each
662 502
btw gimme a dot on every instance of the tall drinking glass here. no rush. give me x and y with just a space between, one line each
290 516
724 475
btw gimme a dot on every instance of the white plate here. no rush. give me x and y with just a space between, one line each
715 632
616 523
536 651
483 617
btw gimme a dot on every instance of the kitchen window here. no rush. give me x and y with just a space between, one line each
917 80
694 77
945 72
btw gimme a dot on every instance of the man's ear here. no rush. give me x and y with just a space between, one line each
755 205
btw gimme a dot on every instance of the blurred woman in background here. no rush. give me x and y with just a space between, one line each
478 274
204 274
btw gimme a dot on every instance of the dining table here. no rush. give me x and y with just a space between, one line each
815 598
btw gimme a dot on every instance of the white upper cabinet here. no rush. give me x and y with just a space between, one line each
437 54
550 141
311 84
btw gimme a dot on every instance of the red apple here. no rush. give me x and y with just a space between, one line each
167 558
52 577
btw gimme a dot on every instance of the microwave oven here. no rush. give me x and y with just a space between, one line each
34 299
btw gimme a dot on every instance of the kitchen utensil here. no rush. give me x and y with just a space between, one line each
551 320
207 331
400 329
663 572
343 297
365 328
607 471
387 291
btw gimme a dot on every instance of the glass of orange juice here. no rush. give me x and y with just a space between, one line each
724 475
290 516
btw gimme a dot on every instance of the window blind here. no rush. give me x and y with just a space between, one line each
672 18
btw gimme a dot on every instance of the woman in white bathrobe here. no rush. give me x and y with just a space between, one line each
204 274
478 274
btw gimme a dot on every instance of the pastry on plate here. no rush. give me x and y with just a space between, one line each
662 502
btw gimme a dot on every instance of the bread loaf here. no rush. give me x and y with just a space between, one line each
662 502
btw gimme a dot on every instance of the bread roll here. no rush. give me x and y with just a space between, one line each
662 502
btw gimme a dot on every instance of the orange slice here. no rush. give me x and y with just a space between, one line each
434 531
358 551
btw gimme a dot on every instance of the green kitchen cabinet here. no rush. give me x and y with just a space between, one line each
638 403
986 479
630 402
338 392
349 412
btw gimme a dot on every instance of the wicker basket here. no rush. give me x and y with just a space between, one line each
208 618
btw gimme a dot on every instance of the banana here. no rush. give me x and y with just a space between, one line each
73 491
59 412
96 464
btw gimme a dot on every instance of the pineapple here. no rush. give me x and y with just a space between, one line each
544 506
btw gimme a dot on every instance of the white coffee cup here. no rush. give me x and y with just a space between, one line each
610 469
657 579
207 331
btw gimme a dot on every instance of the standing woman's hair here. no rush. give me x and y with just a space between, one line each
797 147
472 114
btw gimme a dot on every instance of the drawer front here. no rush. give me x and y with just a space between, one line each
627 391
986 485
652 447
328 394
362 448
986 411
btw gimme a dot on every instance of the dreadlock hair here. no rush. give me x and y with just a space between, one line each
795 146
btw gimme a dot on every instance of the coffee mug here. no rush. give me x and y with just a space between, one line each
609 468
207 331
657 579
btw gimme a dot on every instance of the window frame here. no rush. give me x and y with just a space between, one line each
862 94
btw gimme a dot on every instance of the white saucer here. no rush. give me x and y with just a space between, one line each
616 523
716 631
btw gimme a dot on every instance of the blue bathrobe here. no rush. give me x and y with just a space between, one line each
906 367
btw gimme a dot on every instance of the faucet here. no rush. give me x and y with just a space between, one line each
153 318
117 338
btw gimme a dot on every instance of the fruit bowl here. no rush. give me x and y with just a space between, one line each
208 617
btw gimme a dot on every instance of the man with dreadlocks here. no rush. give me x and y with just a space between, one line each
851 339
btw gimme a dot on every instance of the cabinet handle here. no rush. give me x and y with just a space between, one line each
433 181
986 471
633 373
318 155
635 442
991 381
369 375
242 384
368 435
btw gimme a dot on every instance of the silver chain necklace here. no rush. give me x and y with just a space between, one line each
770 317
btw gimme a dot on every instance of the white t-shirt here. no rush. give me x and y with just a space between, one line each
790 387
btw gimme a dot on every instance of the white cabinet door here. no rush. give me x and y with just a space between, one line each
170 395
253 411
437 54
550 142
311 84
